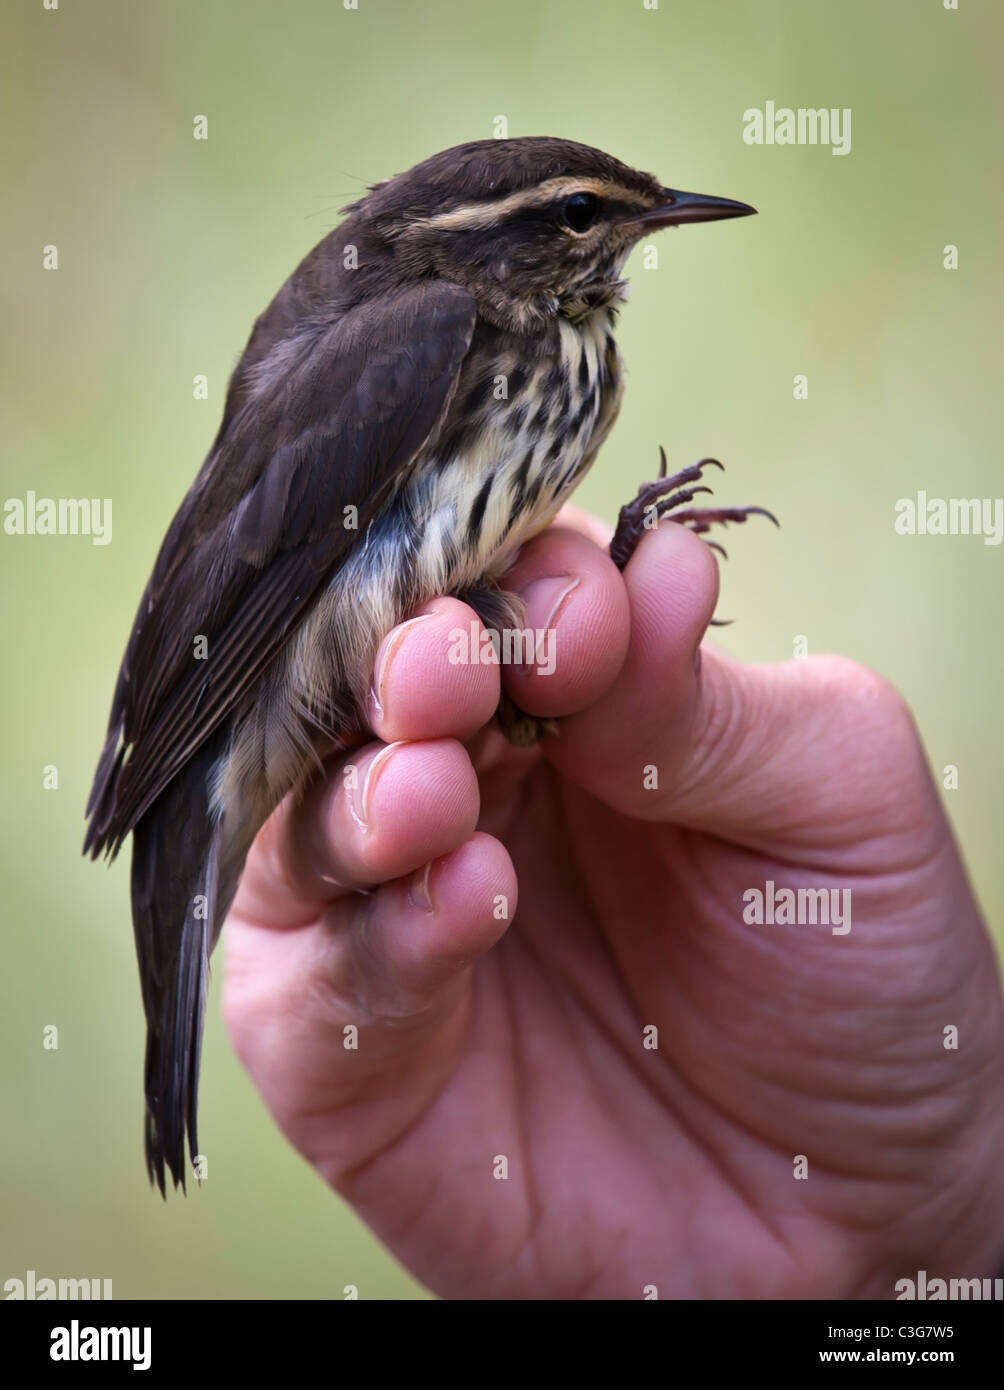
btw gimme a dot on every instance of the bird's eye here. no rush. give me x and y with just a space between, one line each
579 212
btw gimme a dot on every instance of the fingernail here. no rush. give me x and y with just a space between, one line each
547 596
387 650
360 792
419 894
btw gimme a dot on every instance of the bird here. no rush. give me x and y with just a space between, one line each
417 401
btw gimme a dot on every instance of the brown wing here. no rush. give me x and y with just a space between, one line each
329 418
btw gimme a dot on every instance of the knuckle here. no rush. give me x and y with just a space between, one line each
878 727
861 691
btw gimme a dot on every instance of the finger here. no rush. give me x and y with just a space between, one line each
577 612
751 752
427 929
648 715
383 811
418 692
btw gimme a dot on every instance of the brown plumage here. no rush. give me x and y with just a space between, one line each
366 461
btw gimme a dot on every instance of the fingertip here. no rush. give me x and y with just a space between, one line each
391 809
422 687
577 609
441 918
376 815
672 582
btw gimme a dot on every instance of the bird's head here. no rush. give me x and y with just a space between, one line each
533 226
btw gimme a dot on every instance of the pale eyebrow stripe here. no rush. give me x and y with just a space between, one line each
474 215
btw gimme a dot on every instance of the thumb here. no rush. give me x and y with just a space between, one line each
813 750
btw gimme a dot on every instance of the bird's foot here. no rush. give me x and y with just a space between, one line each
662 498
521 729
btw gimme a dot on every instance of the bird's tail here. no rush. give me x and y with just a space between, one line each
178 906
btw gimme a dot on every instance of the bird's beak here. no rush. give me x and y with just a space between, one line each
691 207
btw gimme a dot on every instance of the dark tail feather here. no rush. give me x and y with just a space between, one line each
171 1074
177 911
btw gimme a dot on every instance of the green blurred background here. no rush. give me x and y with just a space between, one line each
169 247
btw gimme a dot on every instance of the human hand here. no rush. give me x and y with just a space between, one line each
483 1032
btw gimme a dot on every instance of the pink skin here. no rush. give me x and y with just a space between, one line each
480 1036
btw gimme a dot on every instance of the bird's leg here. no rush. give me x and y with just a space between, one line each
662 498
498 609
521 729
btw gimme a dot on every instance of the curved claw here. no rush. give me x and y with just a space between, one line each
659 496
721 622
762 511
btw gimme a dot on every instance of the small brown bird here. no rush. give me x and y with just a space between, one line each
418 400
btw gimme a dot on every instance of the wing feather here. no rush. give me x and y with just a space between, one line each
331 419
